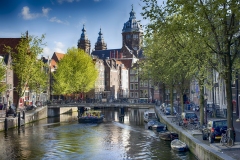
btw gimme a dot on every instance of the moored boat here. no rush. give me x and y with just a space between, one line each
91 117
149 115
156 125
168 136
178 145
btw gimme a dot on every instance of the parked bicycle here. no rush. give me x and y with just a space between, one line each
176 118
188 124
226 140
198 126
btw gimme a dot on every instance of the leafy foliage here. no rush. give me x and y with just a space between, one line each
76 73
201 35
25 65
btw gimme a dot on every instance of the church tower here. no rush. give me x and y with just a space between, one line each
100 44
83 42
132 34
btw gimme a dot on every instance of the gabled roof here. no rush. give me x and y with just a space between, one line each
127 62
59 55
56 57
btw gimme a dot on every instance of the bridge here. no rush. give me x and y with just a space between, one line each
103 105
57 109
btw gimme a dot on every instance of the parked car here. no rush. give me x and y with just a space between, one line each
167 110
214 130
156 125
189 115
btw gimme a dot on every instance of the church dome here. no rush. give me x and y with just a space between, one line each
83 35
100 36
132 24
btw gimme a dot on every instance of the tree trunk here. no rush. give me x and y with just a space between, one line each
229 95
201 102
171 98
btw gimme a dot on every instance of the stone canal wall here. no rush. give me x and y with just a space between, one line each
30 116
34 115
198 148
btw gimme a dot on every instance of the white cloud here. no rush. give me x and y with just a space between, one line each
45 11
47 52
96 0
69 1
27 15
56 47
55 19
59 47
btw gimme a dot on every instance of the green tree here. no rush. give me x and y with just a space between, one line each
76 73
25 65
213 25
2 75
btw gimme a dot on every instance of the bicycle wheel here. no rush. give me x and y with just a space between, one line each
230 142
190 126
223 140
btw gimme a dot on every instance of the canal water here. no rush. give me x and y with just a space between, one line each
64 138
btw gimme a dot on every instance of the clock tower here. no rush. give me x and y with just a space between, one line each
132 34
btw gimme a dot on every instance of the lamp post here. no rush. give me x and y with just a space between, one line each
178 102
7 95
205 104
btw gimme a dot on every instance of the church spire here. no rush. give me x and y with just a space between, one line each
83 42
84 35
100 44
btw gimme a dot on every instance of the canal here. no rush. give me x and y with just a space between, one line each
64 138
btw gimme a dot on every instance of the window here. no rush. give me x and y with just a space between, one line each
132 94
145 83
132 78
135 36
136 86
128 36
133 71
136 78
141 93
132 86
136 94
141 83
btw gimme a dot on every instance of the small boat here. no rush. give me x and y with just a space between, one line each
178 145
149 115
156 125
168 136
91 117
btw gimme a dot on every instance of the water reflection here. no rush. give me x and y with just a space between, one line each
65 138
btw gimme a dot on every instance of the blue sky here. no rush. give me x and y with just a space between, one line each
62 20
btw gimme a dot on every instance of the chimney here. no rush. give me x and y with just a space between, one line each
117 54
110 55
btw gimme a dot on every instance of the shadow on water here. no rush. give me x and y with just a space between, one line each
64 138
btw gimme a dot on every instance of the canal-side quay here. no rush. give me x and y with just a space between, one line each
201 150
33 115
53 110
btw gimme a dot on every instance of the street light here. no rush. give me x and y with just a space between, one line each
178 102
205 104
7 95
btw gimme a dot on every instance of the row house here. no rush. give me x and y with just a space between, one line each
9 96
